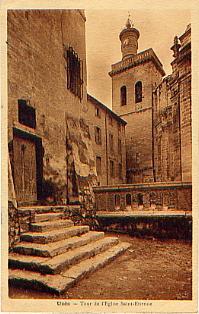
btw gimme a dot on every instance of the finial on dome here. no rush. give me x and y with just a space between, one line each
129 22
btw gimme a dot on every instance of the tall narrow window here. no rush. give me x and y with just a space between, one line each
123 95
120 170
112 170
119 146
98 165
98 135
138 92
111 145
74 72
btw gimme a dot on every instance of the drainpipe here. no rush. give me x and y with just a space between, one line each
179 124
153 158
107 168
66 143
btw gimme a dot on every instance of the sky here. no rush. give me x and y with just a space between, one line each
157 30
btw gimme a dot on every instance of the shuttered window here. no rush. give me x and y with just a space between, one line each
98 136
74 73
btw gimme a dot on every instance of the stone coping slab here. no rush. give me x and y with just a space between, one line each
147 213
143 186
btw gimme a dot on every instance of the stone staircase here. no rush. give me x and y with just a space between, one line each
54 255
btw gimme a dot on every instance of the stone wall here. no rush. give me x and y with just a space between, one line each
13 225
109 123
167 142
172 117
37 73
168 227
176 196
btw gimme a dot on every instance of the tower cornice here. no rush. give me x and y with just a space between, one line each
129 30
142 57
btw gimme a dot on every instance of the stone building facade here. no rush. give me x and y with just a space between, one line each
157 111
50 148
133 80
107 132
172 116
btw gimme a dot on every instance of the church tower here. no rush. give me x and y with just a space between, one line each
133 80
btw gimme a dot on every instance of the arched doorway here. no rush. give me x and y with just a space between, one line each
128 200
117 201
140 199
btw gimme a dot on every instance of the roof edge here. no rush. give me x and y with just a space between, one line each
104 107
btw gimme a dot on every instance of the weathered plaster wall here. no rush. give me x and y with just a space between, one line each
82 162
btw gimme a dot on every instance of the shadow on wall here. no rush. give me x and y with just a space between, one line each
151 226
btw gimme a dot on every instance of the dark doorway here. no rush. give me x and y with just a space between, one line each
27 166
128 199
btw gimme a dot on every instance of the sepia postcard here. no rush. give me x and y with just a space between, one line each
99 156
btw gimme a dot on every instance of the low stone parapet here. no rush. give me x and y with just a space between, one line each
144 196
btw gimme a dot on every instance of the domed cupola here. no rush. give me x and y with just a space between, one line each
129 40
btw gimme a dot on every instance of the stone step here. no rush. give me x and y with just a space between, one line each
46 209
41 209
50 225
47 217
60 283
54 235
56 248
63 261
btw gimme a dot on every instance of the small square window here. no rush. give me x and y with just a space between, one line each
26 114
97 112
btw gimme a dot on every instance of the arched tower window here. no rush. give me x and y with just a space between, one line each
123 95
138 92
